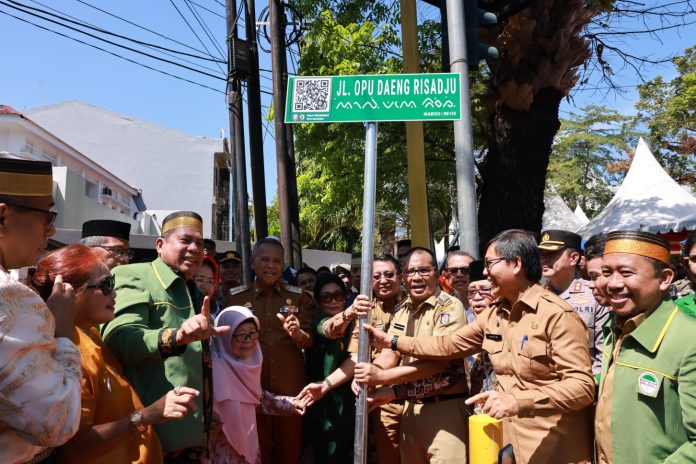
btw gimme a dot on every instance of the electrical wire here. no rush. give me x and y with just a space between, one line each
207 9
205 28
138 26
111 42
155 48
112 53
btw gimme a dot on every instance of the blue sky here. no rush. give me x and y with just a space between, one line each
41 68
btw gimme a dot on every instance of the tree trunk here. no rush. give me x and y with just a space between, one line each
514 170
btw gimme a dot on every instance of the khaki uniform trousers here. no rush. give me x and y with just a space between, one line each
434 432
386 430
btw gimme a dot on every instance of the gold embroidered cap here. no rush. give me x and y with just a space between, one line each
25 178
182 219
638 243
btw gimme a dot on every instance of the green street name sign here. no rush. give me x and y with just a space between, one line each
377 97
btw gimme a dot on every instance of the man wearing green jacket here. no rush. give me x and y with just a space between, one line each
161 328
646 410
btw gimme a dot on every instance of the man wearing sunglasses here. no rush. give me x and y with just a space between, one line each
40 372
457 273
111 236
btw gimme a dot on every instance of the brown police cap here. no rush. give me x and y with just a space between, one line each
553 240
229 256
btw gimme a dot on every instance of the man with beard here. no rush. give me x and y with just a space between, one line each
161 329
538 347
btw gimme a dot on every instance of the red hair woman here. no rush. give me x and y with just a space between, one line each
114 426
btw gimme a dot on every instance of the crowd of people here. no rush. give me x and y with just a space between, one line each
176 361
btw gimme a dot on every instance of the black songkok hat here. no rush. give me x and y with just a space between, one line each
25 178
182 219
476 270
553 240
106 228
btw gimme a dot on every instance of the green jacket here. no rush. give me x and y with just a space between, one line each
151 297
687 304
654 398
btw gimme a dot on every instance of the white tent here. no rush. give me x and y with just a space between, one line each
648 200
557 214
580 214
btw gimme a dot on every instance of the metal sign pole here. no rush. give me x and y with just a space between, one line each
361 410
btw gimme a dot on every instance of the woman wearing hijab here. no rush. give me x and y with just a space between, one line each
237 390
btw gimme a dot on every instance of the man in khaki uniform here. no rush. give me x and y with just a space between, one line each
433 428
538 348
282 337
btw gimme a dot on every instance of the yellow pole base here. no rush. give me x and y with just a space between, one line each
485 439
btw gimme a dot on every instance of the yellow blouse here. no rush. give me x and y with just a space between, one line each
106 397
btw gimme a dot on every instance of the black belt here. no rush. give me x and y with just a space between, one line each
43 456
438 398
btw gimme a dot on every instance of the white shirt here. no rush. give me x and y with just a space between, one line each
39 376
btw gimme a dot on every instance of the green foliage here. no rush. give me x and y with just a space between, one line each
668 109
588 157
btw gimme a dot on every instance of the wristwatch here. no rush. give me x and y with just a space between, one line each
136 420
394 341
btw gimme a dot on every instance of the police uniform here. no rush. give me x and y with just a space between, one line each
434 428
283 370
539 352
579 296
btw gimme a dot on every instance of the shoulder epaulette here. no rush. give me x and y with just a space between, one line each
293 288
443 299
240 289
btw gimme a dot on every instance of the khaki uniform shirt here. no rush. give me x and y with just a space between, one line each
538 348
579 296
441 314
283 371
379 319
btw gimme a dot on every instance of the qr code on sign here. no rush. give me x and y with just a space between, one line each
312 95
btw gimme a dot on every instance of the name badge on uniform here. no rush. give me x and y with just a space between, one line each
494 337
399 326
444 318
649 384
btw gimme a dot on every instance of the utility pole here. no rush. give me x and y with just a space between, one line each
286 167
463 134
417 197
258 176
234 101
292 181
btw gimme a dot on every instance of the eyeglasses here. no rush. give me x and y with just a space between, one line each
481 291
691 259
50 215
335 296
424 271
385 274
106 285
119 251
490 262
464 270
241 338
203 281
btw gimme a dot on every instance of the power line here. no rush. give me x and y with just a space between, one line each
191 28
113 43
112 53
152 47
208 10
205 28
18 6
138 26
